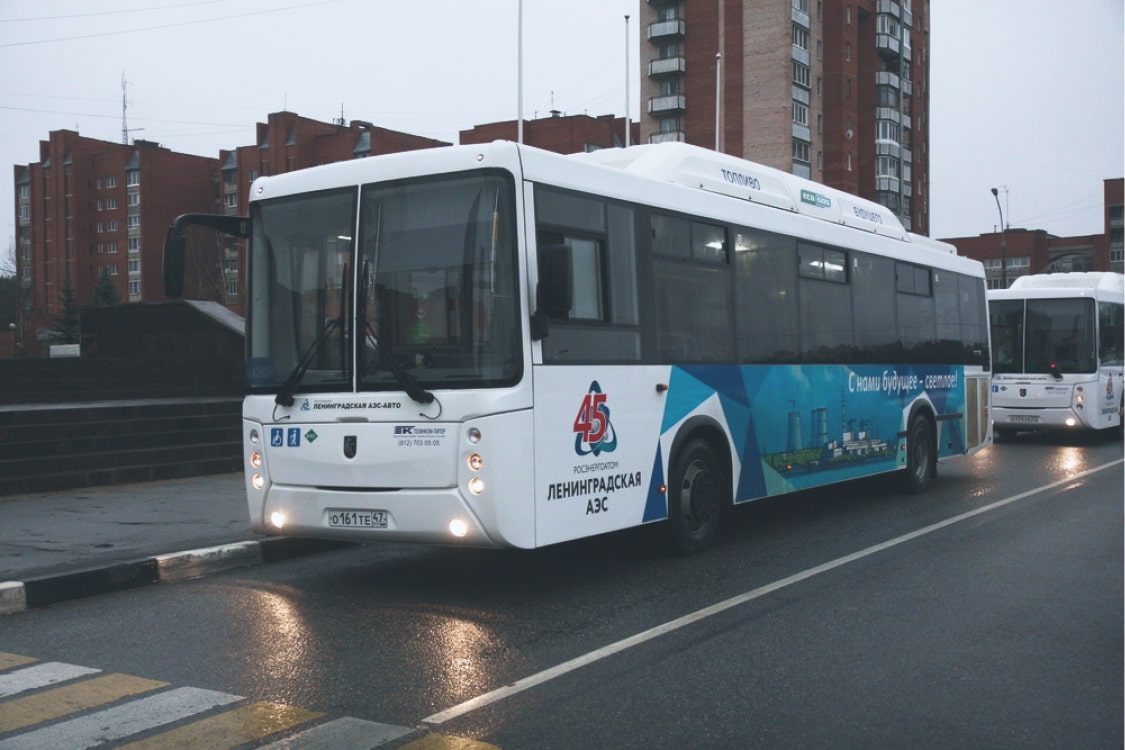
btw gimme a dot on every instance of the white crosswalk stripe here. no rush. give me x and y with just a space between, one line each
40 675
121 721
341 733
168 708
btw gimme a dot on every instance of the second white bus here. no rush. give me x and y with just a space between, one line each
1057 361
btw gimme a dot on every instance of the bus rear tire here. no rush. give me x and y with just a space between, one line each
696 496
920 455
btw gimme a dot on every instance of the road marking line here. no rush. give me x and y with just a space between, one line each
40 675
614 648
230 729
343 732
70 699
7 661
115 723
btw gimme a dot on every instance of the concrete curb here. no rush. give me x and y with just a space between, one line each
17 596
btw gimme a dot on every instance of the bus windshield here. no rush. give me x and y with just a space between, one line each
1044 336
427 295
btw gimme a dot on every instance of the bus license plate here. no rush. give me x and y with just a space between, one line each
1025 419
357 519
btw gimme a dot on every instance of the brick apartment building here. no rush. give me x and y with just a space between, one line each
89 207
833 90
1017 252
284 143
563 134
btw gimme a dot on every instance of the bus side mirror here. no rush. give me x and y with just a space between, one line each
554 294
174 248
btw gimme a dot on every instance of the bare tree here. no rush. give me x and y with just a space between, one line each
8 259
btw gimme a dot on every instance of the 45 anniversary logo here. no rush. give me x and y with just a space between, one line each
593 430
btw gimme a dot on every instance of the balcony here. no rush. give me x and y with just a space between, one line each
666 66
888 46
659 105
666 29
891 7
800 17
886 78
672 136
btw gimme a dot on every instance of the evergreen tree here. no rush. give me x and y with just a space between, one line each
66 328
105 293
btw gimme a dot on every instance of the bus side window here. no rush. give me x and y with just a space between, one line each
1111 329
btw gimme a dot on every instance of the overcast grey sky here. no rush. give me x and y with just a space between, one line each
1026 95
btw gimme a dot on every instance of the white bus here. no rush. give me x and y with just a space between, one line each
494 345
1058 352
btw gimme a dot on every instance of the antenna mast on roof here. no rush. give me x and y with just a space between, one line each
124 107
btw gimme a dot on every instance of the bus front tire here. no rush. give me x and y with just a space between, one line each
920 455
696 496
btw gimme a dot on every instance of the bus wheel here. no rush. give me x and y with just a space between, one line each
696 496
919 455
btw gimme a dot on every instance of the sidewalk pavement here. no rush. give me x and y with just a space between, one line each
57 546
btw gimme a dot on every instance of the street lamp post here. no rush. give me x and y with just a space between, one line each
1003 242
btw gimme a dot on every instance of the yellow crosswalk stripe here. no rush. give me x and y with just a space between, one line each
69 699
445 742
7 661
230 729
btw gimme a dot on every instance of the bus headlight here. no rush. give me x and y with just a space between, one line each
475 462
476 485
258 481
278 519
254 436
256 459
458 528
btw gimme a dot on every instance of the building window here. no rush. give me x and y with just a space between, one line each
230 200
134 289
848 52
800 37
110 204
110 182
133 177
134 244
800 151
1019 261
800 113
801 74
25 212
887 130
133 199
134 266
134 222
111 269
886 166
111 246
232 288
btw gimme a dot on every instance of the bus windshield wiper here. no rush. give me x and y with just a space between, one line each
289 387
412 387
